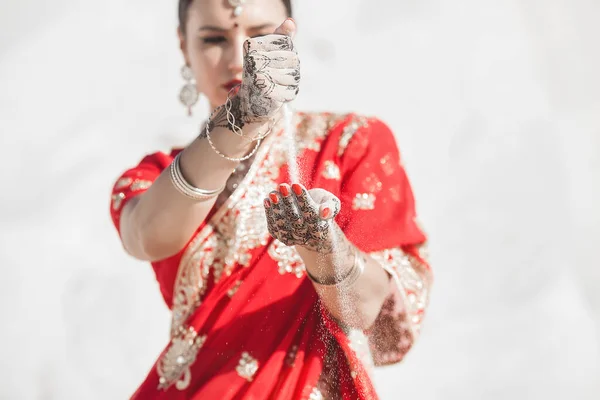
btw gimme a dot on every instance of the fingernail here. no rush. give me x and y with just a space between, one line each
326 213
274 198
284 190
297 189
267 203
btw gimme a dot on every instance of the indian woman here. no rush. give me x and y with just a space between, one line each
286 246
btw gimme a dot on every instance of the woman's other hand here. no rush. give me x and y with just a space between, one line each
296 216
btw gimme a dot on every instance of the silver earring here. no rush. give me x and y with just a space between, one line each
188 95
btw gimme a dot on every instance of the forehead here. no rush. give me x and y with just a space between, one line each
220 13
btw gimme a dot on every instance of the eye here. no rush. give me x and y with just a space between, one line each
214 39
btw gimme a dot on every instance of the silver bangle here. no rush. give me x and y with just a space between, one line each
185 188
346 281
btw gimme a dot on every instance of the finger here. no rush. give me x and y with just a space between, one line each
271 225
275 59
268 43
283 94
287 28
285 77
277 209
329 209
289 204
307 206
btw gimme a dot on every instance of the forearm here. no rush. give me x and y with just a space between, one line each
359 304
161 221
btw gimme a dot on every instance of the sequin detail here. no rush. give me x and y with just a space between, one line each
287 258
356 123
247 367
331 171
409 274
140 184
364 201
234 288
123 183
372 183
387 165
174 365
117 199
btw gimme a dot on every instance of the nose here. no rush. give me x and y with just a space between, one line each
236 61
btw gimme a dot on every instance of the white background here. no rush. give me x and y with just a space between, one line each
496 107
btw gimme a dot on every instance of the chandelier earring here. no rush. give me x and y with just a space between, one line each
188 96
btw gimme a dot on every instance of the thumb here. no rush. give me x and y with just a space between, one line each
287 28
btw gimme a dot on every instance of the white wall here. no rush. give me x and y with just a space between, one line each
496 108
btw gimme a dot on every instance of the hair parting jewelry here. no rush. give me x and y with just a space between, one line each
185 188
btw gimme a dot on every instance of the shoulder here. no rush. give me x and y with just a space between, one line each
343 130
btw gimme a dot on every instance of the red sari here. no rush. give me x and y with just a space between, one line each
246 322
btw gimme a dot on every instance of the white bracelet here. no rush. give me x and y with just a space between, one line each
185 188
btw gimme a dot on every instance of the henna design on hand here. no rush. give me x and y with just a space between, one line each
269 61
303 218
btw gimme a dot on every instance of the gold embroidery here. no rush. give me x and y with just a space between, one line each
350 129
139 184
247 367
123 182
234 288
117 199
372 183
364 201
192 280
174 365
313 129
288 259
331 171
316 394
387 165
239 226
410 277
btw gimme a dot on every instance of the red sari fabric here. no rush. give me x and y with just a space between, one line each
247 323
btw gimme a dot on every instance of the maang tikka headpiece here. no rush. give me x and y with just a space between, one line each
238 6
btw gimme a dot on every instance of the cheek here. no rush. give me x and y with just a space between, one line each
206 64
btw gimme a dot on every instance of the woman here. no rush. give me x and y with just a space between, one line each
276 291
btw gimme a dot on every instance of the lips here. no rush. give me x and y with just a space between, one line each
231 84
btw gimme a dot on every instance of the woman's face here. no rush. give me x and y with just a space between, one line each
213 41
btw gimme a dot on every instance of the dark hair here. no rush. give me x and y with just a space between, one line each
184 5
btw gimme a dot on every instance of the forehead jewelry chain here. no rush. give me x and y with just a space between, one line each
238 6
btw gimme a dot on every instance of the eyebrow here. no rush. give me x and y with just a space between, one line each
219 29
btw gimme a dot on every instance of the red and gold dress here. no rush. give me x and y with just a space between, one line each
246 321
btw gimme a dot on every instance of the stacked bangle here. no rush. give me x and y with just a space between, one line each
346 281
185 188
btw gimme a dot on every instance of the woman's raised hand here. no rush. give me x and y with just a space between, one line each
271 73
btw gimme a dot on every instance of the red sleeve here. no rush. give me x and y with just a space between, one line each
378 207
136 180
379 216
